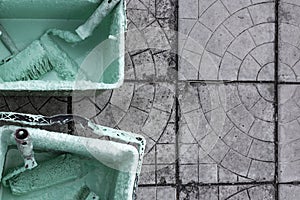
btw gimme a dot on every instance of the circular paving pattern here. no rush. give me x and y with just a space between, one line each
226 124
150 41
142 108
289 41
235 41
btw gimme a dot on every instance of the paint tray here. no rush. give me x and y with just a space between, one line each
100 57
118 158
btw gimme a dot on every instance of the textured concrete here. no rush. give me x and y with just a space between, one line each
249 192
151 40
289 114
289 111
289 192
227 40
289 41
226 133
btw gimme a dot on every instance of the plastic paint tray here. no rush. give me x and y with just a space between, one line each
120 159
101 56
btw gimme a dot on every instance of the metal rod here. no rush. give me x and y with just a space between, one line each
7 41
25 146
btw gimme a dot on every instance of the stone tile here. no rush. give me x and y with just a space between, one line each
150 153
227 131
166 153
289 53
264 54
263 33
250 69
165 9
143 97
188 173
154 125
150 39
144 65
208 173
147 175
189 153
241 167
184 28
209 66
110 116
156 37
289 113
146 193
166 174
189 64
165 65
245 192
150 65
214 15
262 13
166 193
85 107
156 193
233 6
238 22
164 97
169 135
208 193
248 192
242 45
190 192
289 192
219 41
232 40
188 9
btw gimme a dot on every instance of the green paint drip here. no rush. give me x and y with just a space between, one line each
59 170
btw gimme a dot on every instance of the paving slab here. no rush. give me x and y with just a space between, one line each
151 40
289 192
156 193
226 133
239 192
226 40
289 52
289 152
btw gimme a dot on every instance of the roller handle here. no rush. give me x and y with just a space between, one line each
86 29
7 41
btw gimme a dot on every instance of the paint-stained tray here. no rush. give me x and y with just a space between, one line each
118 159
99 58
